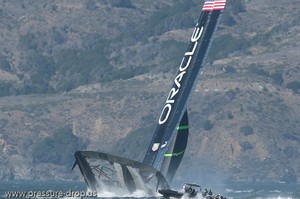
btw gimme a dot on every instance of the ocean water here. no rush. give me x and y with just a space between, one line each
63 189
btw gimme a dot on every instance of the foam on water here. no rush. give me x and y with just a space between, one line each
109 194
275 191
277 197
243 191
197 197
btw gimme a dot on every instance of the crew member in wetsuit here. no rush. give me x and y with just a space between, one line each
204 192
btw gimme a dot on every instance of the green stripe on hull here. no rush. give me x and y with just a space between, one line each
182 127
173 154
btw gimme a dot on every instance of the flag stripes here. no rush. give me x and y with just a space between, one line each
211 5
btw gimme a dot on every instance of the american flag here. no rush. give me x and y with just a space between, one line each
211 5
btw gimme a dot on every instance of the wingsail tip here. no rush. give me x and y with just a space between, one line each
76 154
74 165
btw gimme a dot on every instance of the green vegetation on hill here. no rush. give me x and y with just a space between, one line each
4 88
4 64
56 149
294 86
67 68
48 65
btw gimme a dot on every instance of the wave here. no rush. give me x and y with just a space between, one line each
229 190
275 191
243 191
278 197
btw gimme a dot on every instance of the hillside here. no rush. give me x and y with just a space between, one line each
94 75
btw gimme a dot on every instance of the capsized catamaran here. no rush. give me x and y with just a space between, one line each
171 134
